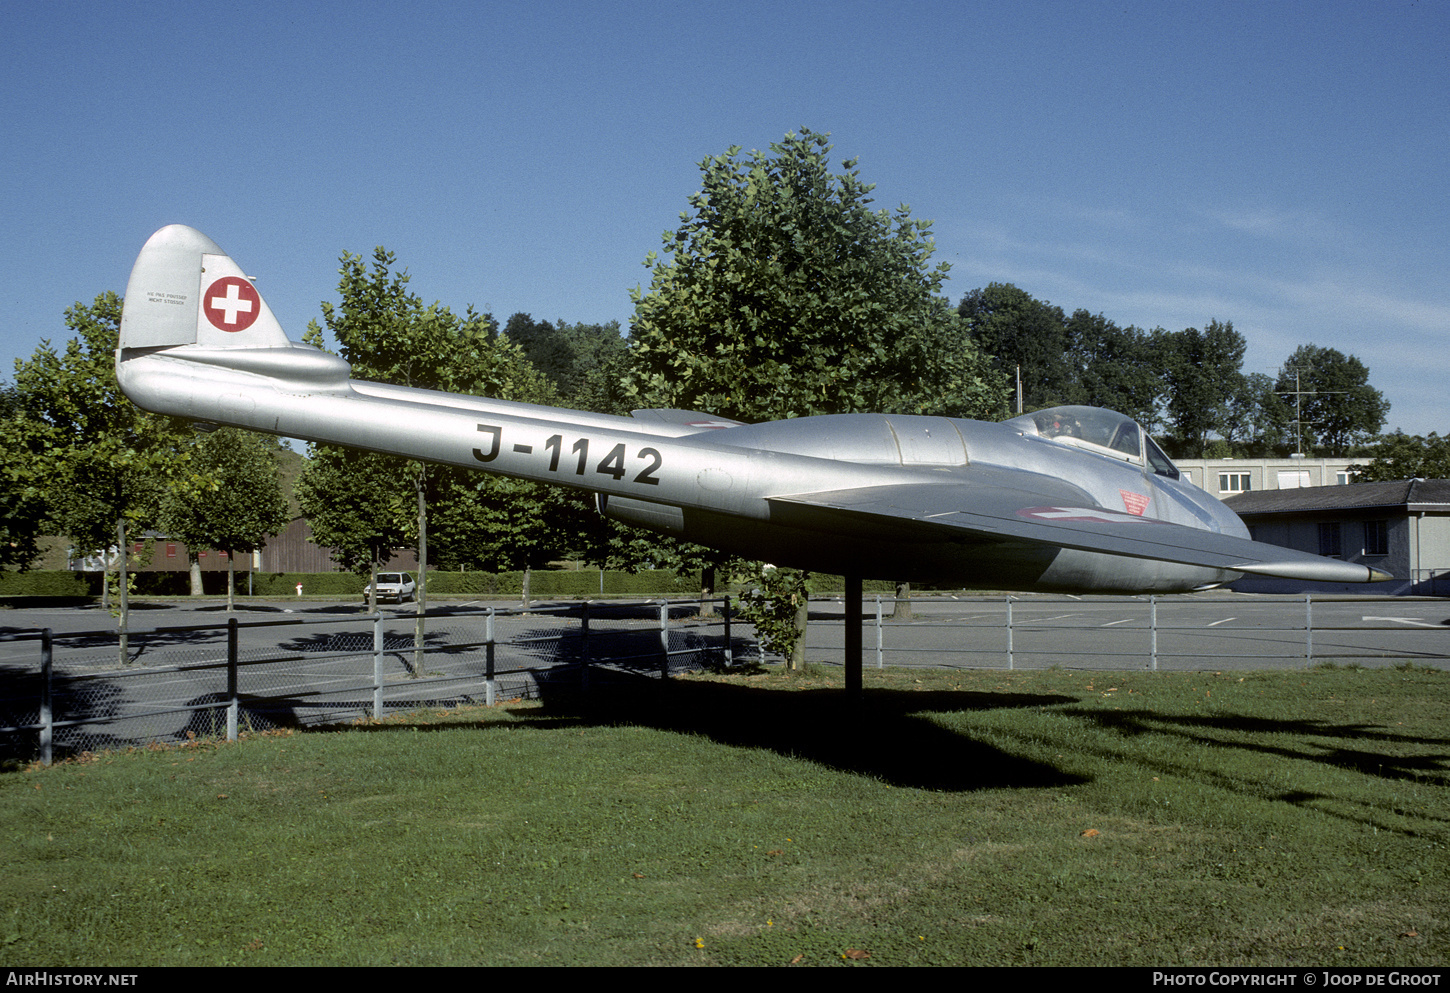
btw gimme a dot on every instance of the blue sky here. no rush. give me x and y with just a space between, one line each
1279 165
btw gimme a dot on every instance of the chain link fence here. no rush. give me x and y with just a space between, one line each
220 679
334 665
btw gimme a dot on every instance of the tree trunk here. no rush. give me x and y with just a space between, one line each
902 612
372 593
707 590
802 618
231 581
420 594
528 575
121 589
193 568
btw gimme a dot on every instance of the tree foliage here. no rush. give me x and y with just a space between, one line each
783 294
1201 377
22 488
1113 367
583 362
1027 337
76 448
1402 456
1336 407
364 505
229 498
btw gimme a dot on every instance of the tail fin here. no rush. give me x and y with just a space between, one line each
184 290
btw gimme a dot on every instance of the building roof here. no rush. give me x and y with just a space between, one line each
1404 494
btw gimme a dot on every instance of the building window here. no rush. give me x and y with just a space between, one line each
1233 482
1329 543
170 551
1343 478
1376 538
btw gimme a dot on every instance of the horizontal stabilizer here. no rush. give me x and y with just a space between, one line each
689 418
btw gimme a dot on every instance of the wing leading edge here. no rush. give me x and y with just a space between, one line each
1002 513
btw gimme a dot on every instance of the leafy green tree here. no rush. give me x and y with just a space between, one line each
353 502
1257 421
22 498
229 499
1113 367
77 443
1336 407
1402 456
365 505
784 294
1023 334
582 361
1202 375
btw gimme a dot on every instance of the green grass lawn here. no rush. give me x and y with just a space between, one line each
982 818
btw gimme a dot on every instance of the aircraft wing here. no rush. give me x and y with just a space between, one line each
1003 513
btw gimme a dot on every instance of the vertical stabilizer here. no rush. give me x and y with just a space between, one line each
184 290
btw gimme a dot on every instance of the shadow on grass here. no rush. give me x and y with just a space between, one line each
890 738
1260 732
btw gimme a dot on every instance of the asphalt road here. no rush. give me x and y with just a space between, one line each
1217 631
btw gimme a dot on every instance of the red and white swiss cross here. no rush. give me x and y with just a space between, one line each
231 303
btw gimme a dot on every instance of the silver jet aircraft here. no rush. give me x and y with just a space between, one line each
1071 499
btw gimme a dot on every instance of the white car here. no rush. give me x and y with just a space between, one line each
395 586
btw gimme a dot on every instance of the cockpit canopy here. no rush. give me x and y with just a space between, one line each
1095 429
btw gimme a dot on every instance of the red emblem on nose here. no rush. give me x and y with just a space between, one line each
231 304
1136 503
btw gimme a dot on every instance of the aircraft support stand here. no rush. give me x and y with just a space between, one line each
854 691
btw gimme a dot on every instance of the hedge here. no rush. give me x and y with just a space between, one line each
543 583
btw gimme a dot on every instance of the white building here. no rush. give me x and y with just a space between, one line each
1228 477
1401 527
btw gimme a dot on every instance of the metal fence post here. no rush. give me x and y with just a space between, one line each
1010 662
231 679
1153 633
378 666
584 647
664 639
46 721
878 630
1308 628
729 644
490 684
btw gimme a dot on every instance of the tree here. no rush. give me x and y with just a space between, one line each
229 499
351 500
582 361
21 488
364 505
75 441
1256 421
1113 367
1402 456
1202 375
1025 335
1336 408
784 295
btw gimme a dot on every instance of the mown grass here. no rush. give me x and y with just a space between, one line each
1049 818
